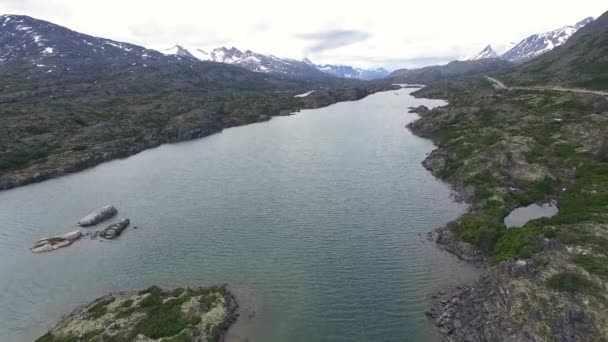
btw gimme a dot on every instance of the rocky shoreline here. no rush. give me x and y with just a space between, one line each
181 314
530 289
192 125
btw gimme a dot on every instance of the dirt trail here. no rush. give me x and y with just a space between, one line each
499 85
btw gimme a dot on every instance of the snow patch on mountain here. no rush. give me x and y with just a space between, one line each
268 63
537 44
487 52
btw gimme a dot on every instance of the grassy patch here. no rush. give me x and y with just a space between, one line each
572 283
100 308
23 157
515 243
127 303
593 264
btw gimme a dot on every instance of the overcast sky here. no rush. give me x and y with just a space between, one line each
366 33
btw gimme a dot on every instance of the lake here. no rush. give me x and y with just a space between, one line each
316 220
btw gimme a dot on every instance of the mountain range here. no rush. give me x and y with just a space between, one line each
488 60
534 45
28 42
268 63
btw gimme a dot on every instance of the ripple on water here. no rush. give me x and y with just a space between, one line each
317 220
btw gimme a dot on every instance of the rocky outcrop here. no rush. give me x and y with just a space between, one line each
420 110
98 216
114 230
56 242
188 315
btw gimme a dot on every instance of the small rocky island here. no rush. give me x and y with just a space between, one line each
197 315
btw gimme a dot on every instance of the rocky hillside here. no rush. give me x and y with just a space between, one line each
70 101
581 62
504 149
32 46
188 315
454 69
58 126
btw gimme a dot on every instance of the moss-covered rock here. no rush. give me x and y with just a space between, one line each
152 314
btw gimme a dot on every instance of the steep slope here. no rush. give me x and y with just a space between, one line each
537 44
454 69
487 52
28 44
581 62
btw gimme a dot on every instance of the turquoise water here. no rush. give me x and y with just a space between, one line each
317 221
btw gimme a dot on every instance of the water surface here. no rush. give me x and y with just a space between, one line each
520 216
317 220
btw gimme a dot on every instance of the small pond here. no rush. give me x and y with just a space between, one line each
520 216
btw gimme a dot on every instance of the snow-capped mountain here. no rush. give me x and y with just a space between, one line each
268 63
537 44
250 60
27 42
487 52
183 52
346 71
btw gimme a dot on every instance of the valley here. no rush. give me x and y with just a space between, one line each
426 196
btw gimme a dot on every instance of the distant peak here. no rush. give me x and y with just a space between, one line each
487 52
583 22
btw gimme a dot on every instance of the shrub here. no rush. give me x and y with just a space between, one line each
516 243
571 282
480 233
100 308
21 158
593 264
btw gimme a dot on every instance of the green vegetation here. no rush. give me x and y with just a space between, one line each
85 119
100 308
127 303
594 264
153 312
509 151
23 157
48 337
572 282
478 232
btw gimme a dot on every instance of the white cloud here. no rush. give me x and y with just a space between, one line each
363 33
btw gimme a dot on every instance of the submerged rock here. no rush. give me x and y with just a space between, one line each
187 315
56 242
98 216
114 230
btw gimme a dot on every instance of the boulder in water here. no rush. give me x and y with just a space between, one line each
56 242
114 230
98 215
